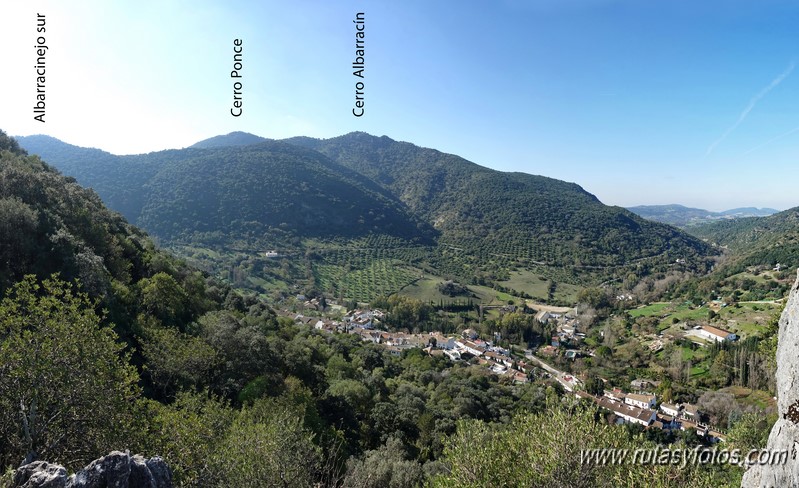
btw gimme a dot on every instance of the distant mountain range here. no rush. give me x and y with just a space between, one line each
757 241
683 217
249 192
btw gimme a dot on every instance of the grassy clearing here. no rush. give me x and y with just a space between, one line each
567 293
489 296
538 286
685 312
426 290
528 282
689 354
649 310
746 320
745 397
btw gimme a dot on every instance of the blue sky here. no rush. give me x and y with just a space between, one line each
640 102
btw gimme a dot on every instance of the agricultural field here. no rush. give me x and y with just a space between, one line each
649 310
381 277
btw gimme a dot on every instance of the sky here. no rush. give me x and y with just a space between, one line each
639 102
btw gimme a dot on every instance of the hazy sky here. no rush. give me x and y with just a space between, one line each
640 102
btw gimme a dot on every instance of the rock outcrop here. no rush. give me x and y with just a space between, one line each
116 470
40 474
785 433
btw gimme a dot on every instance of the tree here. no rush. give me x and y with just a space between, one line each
176 360
186 434
10 144
243 351
751 431
386 467
594 385
67 392
718 405
594 297
164 298
18 225
267 445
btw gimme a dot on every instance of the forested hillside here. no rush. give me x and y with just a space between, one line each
245 193
230 193
529 218
358 216
757 241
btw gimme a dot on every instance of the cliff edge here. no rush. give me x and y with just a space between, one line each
785 433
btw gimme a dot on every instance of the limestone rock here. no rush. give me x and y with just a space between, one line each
40 474
139 474
116 470
162 475
785 433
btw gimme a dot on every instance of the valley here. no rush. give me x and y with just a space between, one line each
396 294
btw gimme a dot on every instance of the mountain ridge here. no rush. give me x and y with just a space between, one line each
683 217
476 223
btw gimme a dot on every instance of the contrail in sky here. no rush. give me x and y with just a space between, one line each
776 81
795 129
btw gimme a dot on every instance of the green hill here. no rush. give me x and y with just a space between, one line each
757 241
235 192
49 224
251 191
753 249
358 215
117 179
531 219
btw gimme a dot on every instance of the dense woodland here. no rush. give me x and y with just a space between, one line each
108 342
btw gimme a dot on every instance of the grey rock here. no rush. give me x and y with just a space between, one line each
116 470
160 471
785 433
140 475
40 474
111 471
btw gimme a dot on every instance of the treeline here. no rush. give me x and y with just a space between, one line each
749 363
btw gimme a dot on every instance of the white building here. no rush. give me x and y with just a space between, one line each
715 334
640 401
670 409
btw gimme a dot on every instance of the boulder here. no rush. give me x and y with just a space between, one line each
111 471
